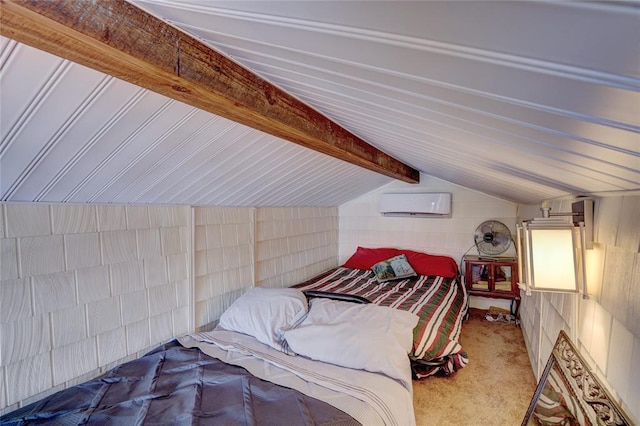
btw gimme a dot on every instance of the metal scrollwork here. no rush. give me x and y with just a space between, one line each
583 400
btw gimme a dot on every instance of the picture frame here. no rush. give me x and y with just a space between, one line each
570 394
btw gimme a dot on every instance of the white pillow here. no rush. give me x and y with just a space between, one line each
366 337
265 313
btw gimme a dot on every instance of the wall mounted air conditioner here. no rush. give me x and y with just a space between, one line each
432 204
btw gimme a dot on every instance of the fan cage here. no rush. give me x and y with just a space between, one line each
492 238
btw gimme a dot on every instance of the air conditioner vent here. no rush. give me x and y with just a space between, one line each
431 204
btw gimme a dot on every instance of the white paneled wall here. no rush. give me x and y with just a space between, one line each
84 287
294 244
607 327
224 259
237 248
361 224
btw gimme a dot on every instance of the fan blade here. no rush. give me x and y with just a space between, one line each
501 238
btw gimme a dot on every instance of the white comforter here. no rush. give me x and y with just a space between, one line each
370 398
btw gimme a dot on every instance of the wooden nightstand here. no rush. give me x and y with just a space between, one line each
493 278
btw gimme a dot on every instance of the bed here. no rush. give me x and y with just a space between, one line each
424 284
259 367
339 349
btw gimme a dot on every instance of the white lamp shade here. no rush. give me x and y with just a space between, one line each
552 260
551 255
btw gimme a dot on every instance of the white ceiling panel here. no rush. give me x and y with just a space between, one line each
72 134
523 100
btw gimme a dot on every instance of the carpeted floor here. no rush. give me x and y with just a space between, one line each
495 388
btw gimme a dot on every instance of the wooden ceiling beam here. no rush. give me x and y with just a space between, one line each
122 40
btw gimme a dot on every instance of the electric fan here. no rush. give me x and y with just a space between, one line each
492 238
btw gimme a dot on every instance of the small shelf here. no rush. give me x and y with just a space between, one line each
493 278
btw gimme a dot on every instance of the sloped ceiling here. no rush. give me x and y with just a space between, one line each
522 100
72 134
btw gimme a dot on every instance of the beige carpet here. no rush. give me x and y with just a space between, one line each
495 388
